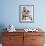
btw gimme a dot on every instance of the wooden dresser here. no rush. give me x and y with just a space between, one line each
23 39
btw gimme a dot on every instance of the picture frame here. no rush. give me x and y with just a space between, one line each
26 13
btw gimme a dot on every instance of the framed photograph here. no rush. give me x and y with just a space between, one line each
26 13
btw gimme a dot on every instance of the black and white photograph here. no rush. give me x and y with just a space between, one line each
26 13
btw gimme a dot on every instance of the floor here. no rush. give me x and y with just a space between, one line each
0 44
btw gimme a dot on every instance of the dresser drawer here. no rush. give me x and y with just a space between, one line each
12 39
13 33
37 39
37 44
13 44
34 33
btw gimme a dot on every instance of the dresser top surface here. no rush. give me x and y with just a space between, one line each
22 30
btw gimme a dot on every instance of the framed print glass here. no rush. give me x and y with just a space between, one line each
26 13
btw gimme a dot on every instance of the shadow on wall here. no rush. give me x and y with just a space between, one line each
2 26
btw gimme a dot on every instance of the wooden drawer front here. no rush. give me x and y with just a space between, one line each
27 41
13 44
34 33
33 40
11 39
37 45
37 39
13 33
